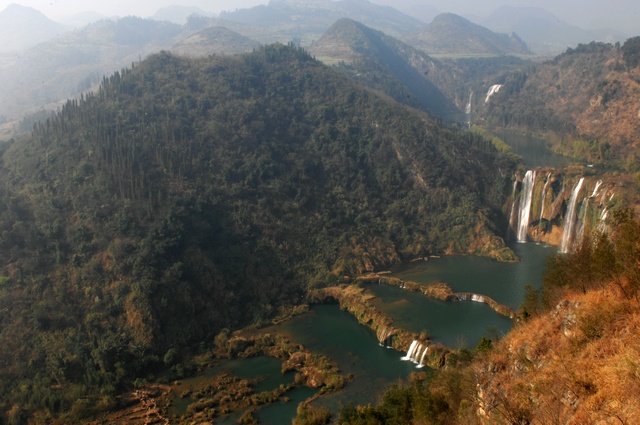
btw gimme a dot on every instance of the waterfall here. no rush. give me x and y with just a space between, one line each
385 335
477 298
468 109
595 189
602 223
421 364
492 90
570 218
582 222
412 348
544 195
513 204
525 204
414 353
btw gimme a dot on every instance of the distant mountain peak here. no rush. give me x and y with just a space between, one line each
449 33
22 27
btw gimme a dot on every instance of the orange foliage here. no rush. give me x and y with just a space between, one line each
578 364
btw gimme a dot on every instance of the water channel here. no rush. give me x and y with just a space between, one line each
328 330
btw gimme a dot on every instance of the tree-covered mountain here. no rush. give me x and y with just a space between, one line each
451 34
387 64
588 96
186 196
215 40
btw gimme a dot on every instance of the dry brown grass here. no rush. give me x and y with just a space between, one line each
578 364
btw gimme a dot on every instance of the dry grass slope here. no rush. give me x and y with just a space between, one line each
578 364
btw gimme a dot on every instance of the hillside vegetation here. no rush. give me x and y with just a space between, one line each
574 358
388 65
451 34
186 196
587 97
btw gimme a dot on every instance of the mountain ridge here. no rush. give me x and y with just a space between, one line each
22 27
452 34
186 196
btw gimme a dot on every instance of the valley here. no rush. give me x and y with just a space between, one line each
318 212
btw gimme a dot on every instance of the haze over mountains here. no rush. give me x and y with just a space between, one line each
69 62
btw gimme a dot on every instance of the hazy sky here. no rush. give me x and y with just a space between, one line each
621 14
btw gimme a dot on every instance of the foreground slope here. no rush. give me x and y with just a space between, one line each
186 196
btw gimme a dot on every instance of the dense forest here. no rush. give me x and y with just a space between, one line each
186 196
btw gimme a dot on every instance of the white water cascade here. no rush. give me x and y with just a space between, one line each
424 353
585 206
477 298
416 353
595 189
544 195
492 90
525 204
513 204
410 351
570 218
384 336
581 222
467 109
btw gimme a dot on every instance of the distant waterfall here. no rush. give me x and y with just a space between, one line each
525 205
384 336
477 298
513 205
424 353
544 195
492 90
411 349
416 353
595 189
582 222
570 218
468 109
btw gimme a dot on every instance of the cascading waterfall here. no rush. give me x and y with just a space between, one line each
468 109
424 353
602 223
544 195
581 222
525 205
477 298
513 205
384 336
570 218
412 348
595 189
416 352
585 208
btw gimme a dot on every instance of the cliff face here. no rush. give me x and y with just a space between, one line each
579 363
564 206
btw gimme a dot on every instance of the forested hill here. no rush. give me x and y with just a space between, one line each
587 95
187 195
